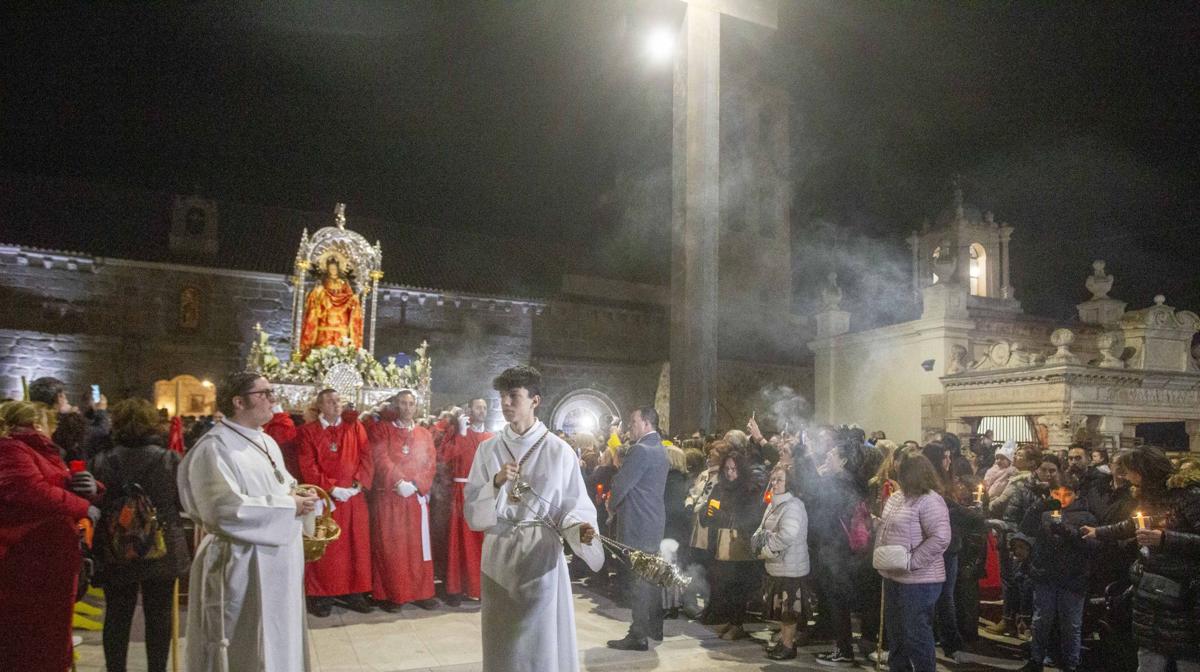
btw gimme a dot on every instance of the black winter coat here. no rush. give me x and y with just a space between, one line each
679 520
1173 630
153 468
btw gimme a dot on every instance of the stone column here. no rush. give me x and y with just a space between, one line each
1111 427
1006 289
914 242
1193 431
695 219
1061 430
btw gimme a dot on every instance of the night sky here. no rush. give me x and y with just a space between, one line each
1075 122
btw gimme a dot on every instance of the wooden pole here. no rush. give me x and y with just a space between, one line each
175 628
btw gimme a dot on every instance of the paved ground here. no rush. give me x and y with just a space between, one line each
448 640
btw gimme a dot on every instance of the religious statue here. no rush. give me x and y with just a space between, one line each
332 312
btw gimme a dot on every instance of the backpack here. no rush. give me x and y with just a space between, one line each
858 532
131 527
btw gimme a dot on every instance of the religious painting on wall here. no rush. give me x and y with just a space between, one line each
189 308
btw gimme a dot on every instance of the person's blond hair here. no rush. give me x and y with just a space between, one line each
16 415
582 442
676 459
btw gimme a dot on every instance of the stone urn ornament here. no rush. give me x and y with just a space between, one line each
1099 283
831 294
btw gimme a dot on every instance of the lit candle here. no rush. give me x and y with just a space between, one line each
979 494
1057 516
1141 520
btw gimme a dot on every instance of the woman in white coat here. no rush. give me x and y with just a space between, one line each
782 541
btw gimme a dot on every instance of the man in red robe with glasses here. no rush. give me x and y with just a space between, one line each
464 545
405 463
334 455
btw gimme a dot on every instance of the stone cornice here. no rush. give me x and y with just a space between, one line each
1070 375
921 328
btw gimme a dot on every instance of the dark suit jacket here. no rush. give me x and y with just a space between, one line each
637 494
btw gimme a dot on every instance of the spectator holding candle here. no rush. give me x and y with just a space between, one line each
1166 599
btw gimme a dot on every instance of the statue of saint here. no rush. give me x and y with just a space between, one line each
332 312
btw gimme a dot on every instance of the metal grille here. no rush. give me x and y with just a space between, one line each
1005 427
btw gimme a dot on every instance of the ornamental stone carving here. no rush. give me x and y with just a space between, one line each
1111 345
831 294
1099 283
1062 340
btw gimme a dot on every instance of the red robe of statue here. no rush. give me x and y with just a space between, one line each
331 457
39 554
281 428
400 546
465 546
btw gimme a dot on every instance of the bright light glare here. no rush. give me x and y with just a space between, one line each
206 383
586 422
660 45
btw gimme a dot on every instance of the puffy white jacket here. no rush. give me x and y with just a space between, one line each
782 538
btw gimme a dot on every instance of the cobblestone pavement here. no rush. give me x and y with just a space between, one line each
447 639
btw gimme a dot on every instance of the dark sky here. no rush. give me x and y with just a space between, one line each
1075 122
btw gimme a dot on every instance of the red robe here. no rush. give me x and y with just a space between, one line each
403 559
465 546
281 428
337 457
39 554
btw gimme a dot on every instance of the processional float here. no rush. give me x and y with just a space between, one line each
335 298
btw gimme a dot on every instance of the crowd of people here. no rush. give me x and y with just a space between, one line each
875 547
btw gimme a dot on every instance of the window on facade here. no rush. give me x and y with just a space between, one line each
1005 427
978 270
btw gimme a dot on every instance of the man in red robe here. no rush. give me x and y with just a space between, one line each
335 456
282 428
464 545
405 463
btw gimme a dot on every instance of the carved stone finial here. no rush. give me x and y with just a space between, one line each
1111 345
339 215
1159 299
831 294
1062 339
959 210
1099 283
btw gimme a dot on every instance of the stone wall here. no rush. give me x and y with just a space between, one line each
120 324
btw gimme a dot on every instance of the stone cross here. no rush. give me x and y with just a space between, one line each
695 207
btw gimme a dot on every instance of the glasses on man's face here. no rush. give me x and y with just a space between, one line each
268 393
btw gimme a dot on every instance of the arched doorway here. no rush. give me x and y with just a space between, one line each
581 411
185 395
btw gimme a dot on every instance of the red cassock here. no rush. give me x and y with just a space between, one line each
39 554
281 428
465 546
336 457
400 546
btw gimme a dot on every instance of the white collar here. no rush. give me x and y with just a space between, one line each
411 424
525 440
479 428
325 424
235 426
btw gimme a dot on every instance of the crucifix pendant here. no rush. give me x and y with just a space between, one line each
405 449
279 476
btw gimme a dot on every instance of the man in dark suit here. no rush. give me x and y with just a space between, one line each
636 500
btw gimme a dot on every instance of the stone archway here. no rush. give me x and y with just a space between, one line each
185 395
581 410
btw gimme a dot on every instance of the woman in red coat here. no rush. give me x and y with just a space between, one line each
40 505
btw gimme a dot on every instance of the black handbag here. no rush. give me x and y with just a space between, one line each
1162 592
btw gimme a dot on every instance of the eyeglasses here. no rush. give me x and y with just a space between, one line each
268 393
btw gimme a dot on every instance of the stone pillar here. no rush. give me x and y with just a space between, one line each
1193 431
914 242
1111 428
1006 289
1061 430
695 219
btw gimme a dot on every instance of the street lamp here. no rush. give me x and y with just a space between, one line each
660 45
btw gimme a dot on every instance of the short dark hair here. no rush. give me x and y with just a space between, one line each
519 376
234 385
401 393
134 422
1051 458
46 389
475 399
917 475
325 392
648 413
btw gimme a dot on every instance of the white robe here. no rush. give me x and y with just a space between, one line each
528 615
247 580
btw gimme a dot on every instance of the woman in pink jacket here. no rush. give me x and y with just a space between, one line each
913 535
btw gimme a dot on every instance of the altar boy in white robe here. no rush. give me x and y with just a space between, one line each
246 604
527 612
